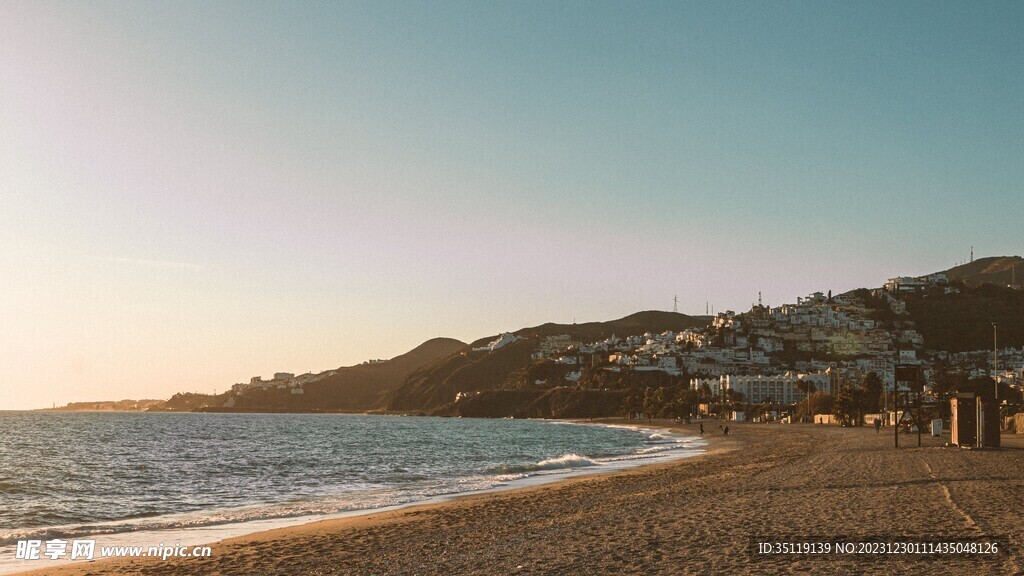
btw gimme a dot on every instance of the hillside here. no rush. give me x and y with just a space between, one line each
962 321
437 384
638 323
998 270
351 388
434 387
360 387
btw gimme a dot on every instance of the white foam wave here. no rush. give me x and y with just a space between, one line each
658 448
565 461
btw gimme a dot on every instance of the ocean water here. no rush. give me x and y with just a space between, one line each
75 475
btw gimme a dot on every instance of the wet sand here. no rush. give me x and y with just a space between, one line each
701 515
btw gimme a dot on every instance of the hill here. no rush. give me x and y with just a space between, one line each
360 387
349 388
998 270
638 323
477 374
961 320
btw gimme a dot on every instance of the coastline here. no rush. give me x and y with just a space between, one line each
285 526
699 515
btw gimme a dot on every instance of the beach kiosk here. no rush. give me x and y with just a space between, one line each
975 421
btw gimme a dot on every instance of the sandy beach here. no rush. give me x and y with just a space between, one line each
702 515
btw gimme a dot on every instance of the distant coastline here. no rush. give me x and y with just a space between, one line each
601 369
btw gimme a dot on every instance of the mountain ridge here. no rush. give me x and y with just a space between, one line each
500 372
999 270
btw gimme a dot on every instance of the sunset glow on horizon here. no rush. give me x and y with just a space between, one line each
195 193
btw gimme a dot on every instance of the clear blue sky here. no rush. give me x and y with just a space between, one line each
195 193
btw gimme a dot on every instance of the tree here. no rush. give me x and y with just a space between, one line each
632 402
848 405
873 391
806 386
815 403
682 404
705 392
654 399
759 410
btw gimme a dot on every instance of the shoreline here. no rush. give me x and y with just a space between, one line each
703 515
283 526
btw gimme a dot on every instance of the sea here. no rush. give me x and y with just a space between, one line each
192 478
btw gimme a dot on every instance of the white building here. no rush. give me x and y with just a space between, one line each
552 344
504 340
777 388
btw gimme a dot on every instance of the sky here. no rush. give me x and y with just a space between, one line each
194 193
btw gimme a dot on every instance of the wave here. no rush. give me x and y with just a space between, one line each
302 507
563 462
394 486
324 506
566 461
659 448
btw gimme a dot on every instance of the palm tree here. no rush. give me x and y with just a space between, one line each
807 387
631 402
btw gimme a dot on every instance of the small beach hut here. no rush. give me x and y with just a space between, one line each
974 415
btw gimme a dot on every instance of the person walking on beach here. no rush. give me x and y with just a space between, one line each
701 428
878 425
726 430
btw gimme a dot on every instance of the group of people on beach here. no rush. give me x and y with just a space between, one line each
724 430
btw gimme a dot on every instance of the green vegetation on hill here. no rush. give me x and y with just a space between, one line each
879 307
962 321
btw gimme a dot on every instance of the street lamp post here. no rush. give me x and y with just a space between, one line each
995 361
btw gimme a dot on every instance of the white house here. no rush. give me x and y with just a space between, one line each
504 340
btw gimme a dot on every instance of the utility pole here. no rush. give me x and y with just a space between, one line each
896 400
895 379
995 361
885 393
920 389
